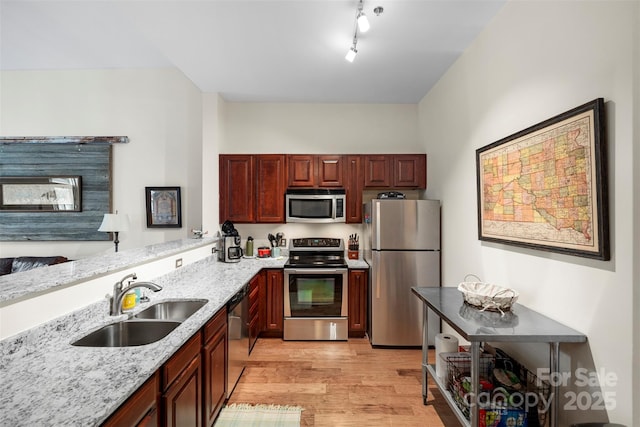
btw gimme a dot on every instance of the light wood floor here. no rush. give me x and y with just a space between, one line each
342 384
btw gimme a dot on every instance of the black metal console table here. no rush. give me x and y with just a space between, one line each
527 326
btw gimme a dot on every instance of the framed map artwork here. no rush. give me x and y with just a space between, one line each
163 207
546 187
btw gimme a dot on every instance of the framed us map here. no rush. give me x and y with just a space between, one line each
546 187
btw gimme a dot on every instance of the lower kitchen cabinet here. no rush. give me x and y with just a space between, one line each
214 360
141 409
190 388
358 284
182 386
274 287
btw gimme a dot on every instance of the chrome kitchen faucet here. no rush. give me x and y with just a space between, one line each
119 291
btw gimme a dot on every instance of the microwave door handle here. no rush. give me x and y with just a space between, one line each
334 202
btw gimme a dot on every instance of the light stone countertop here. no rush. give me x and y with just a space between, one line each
48 382
18 285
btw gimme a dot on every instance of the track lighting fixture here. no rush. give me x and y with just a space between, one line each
362 25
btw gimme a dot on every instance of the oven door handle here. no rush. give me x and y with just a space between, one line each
315 270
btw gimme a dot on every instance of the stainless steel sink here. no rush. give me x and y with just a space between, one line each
127 333
171 310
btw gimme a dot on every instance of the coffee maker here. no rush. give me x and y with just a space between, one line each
229 249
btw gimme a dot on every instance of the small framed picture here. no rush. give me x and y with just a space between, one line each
41 194
163 207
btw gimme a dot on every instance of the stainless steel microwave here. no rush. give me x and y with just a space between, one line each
315 205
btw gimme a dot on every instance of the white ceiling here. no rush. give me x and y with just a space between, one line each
252 50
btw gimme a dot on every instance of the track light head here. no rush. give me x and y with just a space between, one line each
363 22
351 54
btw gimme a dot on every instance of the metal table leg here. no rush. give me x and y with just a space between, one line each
554 368
425 351
475 383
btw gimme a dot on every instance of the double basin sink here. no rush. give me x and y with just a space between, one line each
146 327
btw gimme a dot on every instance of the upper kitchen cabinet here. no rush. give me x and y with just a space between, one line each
252 188
237 188
271 186
315 171
395 171
330 171
353 188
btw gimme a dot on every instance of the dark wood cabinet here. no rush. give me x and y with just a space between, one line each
410 171
252 188
353 187
270 188
395 171
377 171
330 171
182 386
214 359
274 301
358 286
237 188
302 171
141 409
324 171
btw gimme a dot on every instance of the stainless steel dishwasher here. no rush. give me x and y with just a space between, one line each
238 337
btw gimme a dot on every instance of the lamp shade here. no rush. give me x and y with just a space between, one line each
114 222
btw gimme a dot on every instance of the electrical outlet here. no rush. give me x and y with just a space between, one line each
178 262
283 243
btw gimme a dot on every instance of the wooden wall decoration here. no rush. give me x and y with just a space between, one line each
87 157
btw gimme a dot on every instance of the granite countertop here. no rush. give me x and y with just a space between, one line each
48 382
18 285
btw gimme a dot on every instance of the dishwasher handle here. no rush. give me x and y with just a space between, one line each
237 298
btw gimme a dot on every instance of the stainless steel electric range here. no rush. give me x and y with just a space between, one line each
315 290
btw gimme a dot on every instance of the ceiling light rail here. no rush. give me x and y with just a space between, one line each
362 24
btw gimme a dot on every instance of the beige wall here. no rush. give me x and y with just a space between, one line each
159 110
320 128
536 60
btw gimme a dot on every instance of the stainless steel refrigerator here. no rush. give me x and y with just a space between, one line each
402 246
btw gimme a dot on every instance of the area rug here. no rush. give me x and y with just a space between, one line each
245 415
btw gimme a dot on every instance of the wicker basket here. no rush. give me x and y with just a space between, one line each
487 296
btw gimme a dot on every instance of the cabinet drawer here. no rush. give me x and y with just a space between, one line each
172 369
253 291
139 408
218 321
254 306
